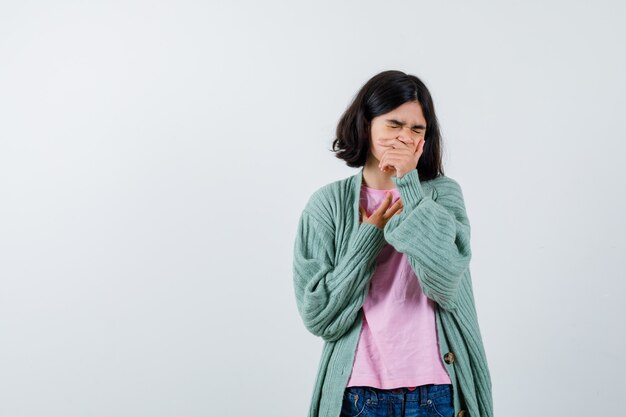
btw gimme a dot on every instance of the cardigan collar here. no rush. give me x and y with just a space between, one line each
356 196
357 180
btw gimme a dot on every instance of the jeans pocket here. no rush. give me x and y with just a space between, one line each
440 404
353 404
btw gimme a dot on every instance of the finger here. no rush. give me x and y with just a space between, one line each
389 159
383 206
391 213
398 203
387 206
383 161
419 150
393 209
394 154
362 213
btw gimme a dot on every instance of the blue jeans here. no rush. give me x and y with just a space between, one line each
430 400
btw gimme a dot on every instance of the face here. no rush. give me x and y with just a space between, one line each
404 122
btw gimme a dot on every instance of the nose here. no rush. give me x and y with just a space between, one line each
408 135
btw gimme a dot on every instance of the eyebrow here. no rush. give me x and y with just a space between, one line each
402 124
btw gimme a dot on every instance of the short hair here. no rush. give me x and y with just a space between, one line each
381 94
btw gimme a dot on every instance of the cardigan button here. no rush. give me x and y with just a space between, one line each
449 357
461 413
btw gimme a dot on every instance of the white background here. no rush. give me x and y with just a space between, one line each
155 157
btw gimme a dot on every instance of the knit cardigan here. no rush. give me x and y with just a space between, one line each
334 260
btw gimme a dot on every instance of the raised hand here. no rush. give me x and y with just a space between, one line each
402 155
383 213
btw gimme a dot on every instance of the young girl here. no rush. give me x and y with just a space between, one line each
381 268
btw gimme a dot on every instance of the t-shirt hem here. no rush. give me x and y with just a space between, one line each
400 383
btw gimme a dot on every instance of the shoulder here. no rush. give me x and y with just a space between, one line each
328 201
445 187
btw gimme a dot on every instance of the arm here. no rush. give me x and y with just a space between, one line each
328 295
435 236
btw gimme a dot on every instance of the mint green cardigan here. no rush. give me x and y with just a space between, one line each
334 259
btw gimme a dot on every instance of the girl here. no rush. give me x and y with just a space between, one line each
381 268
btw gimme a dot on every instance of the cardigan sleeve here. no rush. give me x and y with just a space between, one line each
435 236
329 293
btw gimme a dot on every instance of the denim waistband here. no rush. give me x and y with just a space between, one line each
421 394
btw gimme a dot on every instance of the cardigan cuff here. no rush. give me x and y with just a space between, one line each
365 245
410 188
368 240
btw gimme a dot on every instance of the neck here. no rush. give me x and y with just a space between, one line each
373 177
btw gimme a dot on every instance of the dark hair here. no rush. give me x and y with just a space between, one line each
381 94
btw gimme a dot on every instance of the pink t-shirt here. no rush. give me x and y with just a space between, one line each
398 344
